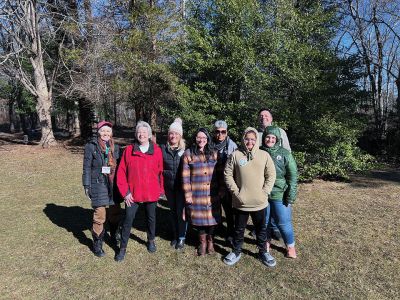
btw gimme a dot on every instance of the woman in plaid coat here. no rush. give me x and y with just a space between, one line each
201 189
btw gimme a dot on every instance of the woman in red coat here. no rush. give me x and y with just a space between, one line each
140 181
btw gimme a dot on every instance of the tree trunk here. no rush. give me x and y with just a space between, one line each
76 124
85 118
11 113
43 106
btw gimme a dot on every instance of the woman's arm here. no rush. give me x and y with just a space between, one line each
186 179
228 175
291 180
87 166
269 175
122 181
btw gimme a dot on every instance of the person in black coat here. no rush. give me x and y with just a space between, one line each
172 156
99 168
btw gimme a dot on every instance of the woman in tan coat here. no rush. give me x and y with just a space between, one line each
250 176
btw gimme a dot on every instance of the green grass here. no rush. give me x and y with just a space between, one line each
347 238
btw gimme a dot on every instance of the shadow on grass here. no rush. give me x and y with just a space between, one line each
77 219
74 219
370 179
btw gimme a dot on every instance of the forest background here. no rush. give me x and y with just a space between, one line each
328 70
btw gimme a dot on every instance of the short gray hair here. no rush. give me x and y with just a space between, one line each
145 125
221 124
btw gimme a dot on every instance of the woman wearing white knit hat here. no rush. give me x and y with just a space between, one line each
172 155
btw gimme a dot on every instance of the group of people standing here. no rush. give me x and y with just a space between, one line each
257 179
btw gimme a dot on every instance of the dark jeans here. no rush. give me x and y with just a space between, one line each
176 203
130 213
241 218
227 205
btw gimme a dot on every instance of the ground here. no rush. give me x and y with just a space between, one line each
347 237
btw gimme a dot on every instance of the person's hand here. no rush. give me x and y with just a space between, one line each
184 214
189 200
87 193
128 199
287 203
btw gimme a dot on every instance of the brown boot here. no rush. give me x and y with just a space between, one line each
203 245
210 244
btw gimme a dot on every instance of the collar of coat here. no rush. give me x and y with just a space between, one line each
136 149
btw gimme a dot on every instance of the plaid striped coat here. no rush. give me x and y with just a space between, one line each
201 188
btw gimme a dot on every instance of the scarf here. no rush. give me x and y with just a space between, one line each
110 157
220 145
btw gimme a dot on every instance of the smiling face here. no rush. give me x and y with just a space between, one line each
270 140
105 133
174 138
142 135
250 140
201 140
220 134
265 118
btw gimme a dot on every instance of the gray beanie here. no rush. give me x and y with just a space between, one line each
176 126
221 124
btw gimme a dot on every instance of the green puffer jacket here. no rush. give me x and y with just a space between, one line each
285 187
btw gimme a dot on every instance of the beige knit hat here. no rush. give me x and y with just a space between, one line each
176 126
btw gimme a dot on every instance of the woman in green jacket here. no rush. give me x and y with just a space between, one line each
284 191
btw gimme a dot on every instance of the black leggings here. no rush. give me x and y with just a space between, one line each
209 230
130 212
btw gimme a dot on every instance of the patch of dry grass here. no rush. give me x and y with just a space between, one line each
347 238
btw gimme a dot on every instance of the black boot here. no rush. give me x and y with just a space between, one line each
98 244
115 233
121 255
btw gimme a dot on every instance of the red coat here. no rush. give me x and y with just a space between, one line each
141 173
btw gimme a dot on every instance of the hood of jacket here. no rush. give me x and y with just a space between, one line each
250 154
274 130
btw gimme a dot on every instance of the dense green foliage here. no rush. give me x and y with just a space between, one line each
240 56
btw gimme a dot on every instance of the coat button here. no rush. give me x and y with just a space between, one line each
205 173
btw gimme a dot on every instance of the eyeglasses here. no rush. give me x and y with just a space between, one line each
201 138
220 131
250 140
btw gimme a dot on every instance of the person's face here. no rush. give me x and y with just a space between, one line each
105 133
265 118
143 135
220 134
201 139
174 138
270 140
250 140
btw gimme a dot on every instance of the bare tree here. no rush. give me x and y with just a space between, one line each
22 58
371 29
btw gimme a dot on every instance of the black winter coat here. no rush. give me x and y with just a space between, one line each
172 168
100 190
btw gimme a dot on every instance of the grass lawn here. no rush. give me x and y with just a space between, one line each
347 238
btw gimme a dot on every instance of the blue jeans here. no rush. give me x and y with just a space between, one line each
283 218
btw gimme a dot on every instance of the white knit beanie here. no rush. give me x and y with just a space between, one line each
176 126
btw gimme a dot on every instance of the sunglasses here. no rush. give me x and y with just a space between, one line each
220 131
